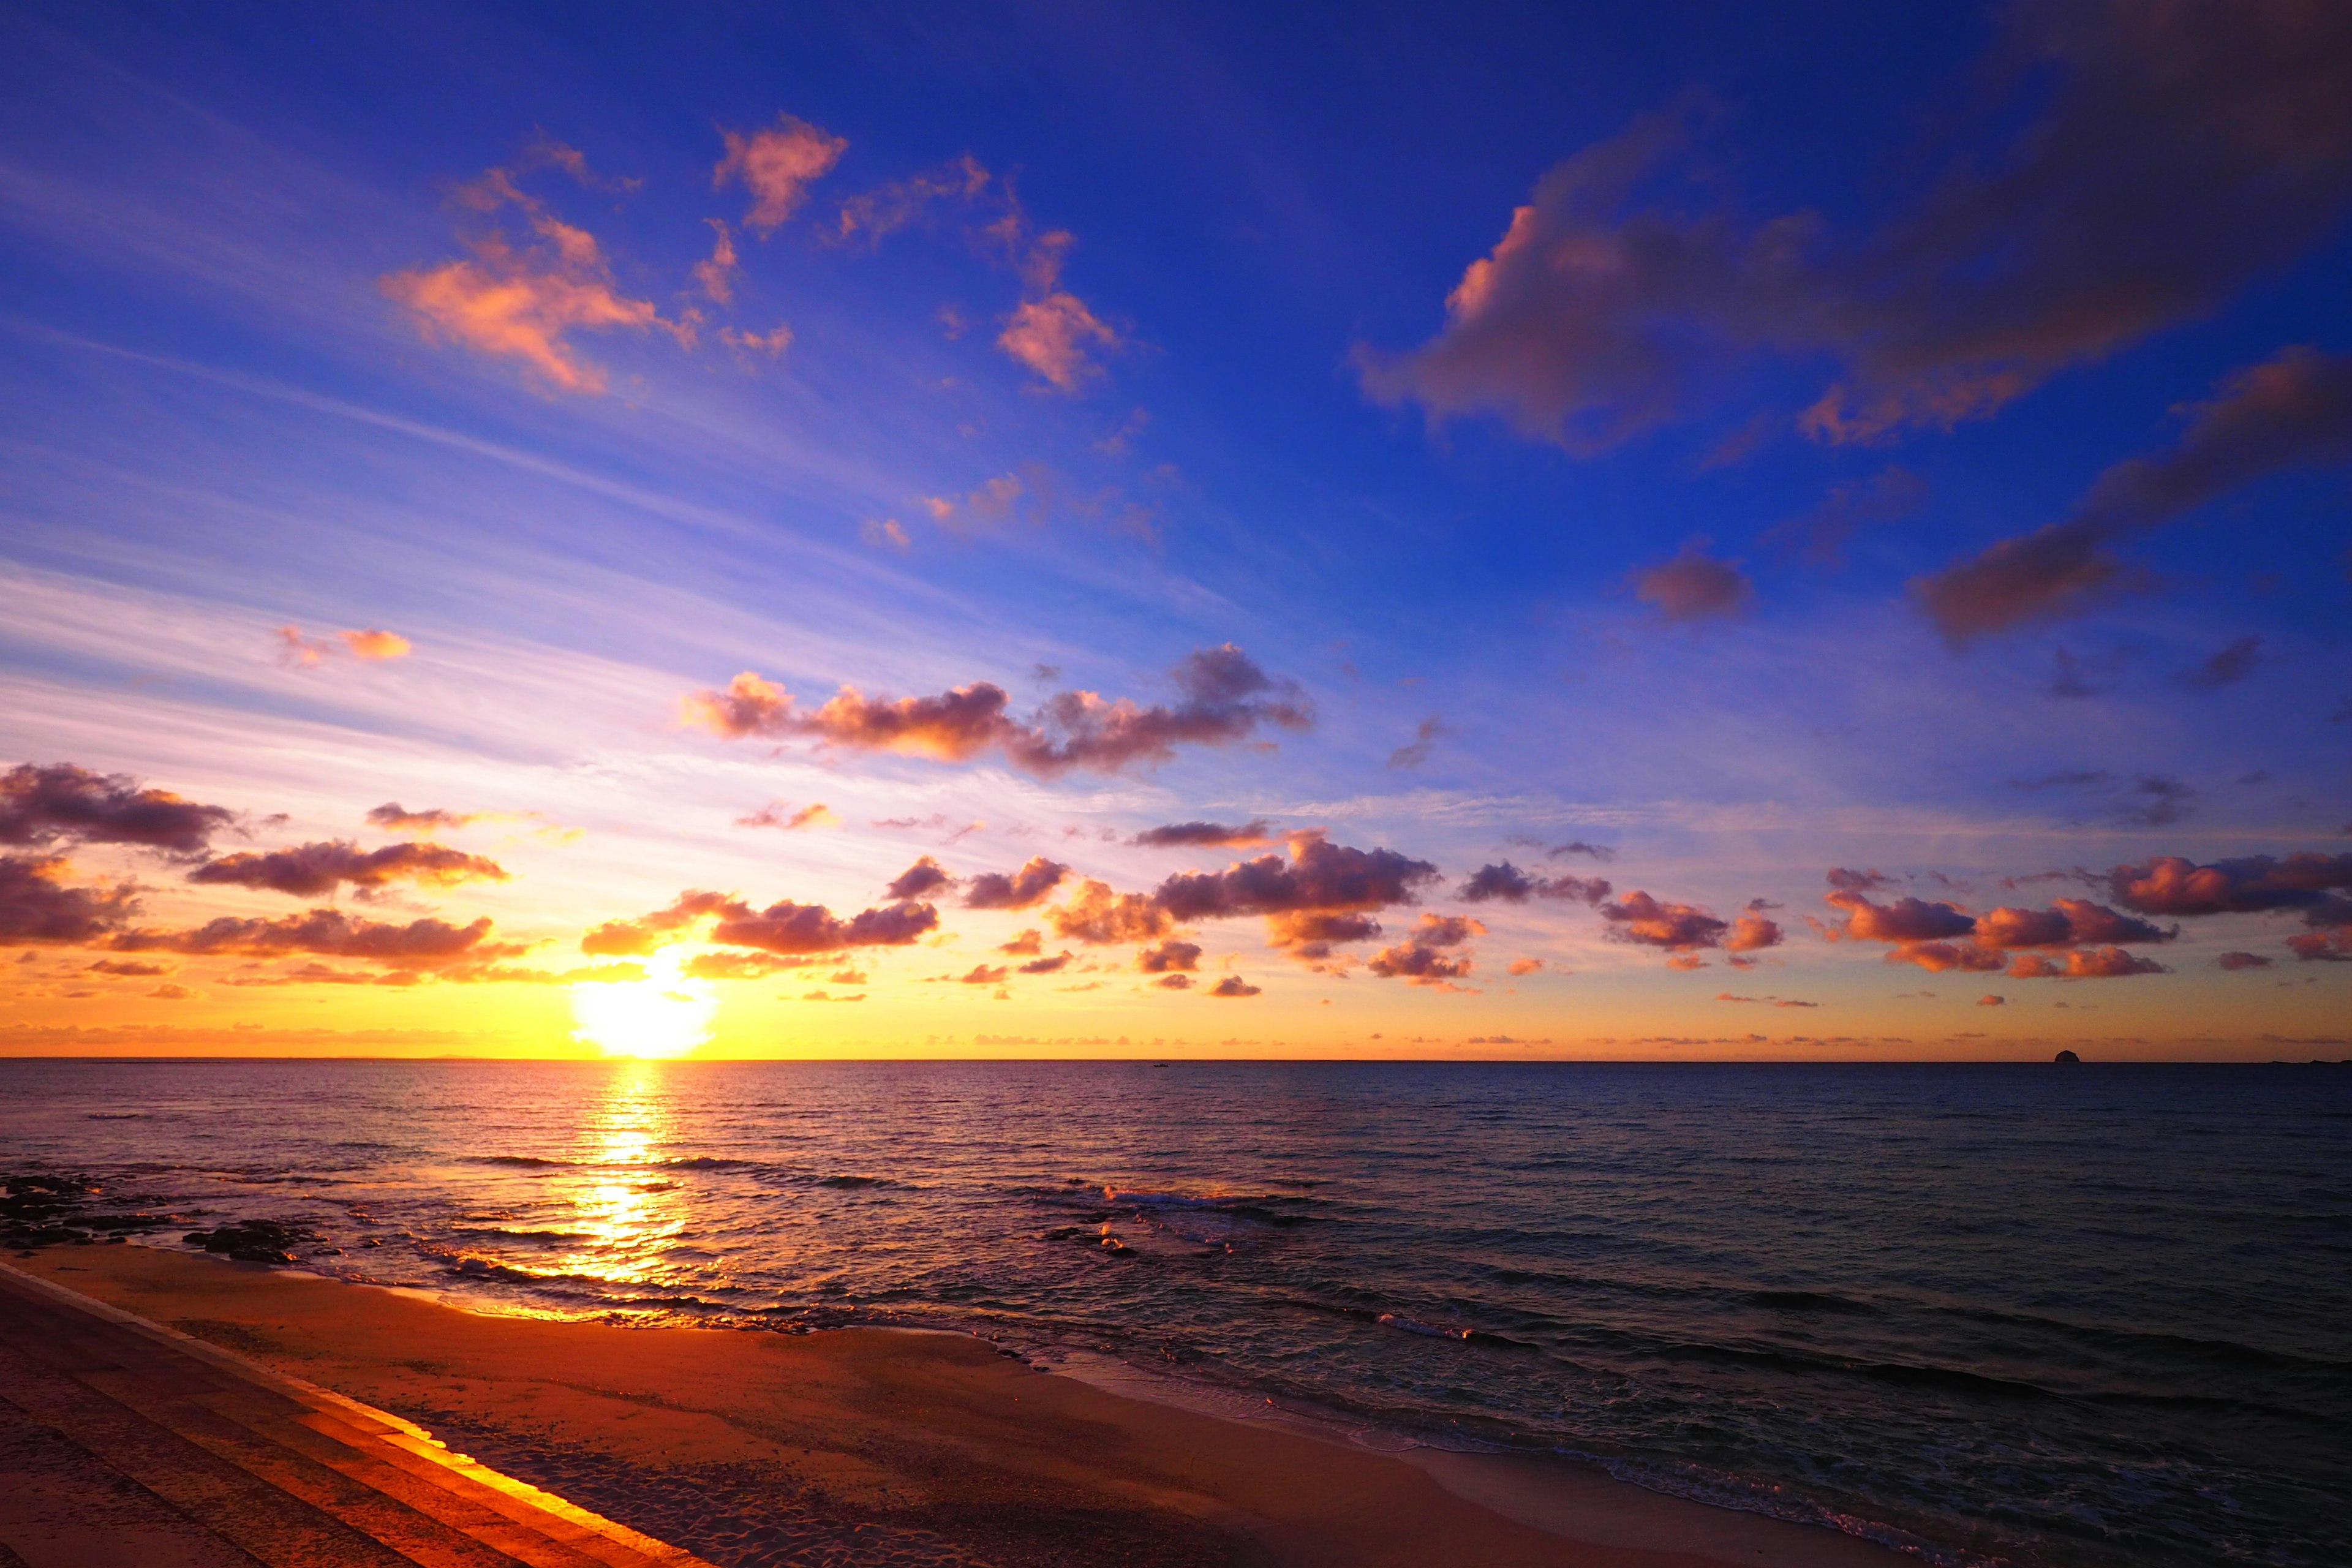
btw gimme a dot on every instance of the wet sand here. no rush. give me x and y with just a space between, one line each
883 1446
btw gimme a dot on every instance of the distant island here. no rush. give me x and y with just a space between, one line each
2064 1058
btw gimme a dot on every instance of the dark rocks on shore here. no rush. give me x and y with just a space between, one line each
41 1209
253 1240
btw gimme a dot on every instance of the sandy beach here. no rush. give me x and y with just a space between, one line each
889 1447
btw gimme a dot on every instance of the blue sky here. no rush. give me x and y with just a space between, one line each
1668 535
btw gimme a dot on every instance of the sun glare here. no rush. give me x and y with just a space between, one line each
663 1014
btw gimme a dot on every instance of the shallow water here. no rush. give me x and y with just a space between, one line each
2095 1315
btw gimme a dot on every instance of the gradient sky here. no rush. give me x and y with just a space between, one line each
1699 531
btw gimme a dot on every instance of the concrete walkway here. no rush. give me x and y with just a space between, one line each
125 1444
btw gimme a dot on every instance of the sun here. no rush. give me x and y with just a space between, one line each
663 1014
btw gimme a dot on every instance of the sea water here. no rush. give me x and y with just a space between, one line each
2037 1315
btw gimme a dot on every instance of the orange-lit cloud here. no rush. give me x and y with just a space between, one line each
420 943
885 533
374 643
777 814
392 816
1233 986
48 803
315 870
1677 928
777 164
1168 957
1424 958
715 273
1940 937
1098 916
1225 697
1053 335
784 929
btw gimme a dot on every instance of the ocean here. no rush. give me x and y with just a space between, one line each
1989 1315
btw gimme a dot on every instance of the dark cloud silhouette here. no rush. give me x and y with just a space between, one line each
1424 957
1052 965
1677 928
1249 834
2172 885
1305 895
418 944
2227 668
1415 751
1233 986
2329 940
1018 891
789 928
1223 698
1506 882
42 804
2294 408
1601 852
38 905
316 871
1175 982
1169 956
1693 586
925 876
2235 961
2169 153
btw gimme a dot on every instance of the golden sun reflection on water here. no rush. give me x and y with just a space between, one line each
625 1212
663 1014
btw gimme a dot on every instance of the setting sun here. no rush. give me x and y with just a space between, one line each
663 1014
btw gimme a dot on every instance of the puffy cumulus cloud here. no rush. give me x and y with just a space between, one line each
635 938
1233 986
779 814
315 870
1101 917
49 803
1523 966
1054 336
1677 928
38 905
1026 944
2170 153
416 945
1052 965
2329 940
1694 586
2062 941
1506 882
2294 409
1223 697
1991 1001
2171 885
1424 958
925 876
981 974
2237 961
393 817
1166 957
776 165
1175 982
2082 963
1752 934
1247 835
1038 877
788 928
1307 895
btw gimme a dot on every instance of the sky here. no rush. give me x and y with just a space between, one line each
1691 531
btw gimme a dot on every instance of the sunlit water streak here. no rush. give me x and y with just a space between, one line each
2099 1315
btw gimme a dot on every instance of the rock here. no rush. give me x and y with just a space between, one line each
253 1240
2066 1059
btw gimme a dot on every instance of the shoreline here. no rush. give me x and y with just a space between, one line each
934 1435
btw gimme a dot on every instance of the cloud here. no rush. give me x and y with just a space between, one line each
1694 586
1052 965
885 533
1099 917
1019 891
1506 882
2294 409
36 906
2168 155
1053 336
773 343
1207 835
1235 985
1175 982
1307 897
1416 752
58 802
924 877
1940 937
315 870
1424 957
396 818
1027 944
2172 885
126 969
419 943
1601 852
794 930
630 938
2329 940
870 217
2152 800
1990 1001
715 272
982 974
2227 668
374 643
1223 698
1819 536
1523 966
777 165
2236 961
1678 928
1168 957
1752 934
777 814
